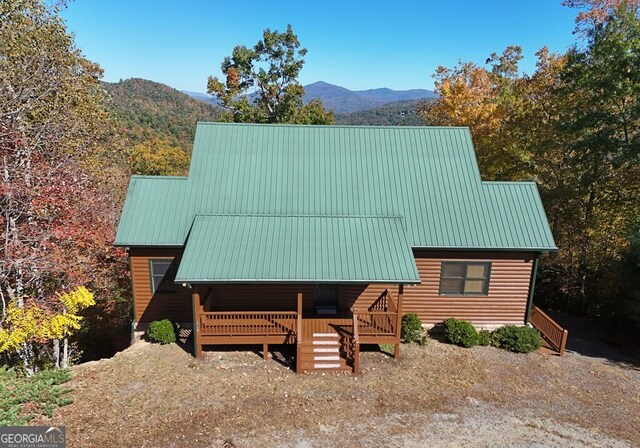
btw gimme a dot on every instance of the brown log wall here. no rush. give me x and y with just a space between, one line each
148 306
505 303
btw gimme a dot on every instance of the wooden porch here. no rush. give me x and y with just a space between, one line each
324 342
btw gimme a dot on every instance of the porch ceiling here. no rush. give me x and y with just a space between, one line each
297 249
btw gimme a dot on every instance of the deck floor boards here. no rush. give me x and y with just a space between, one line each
325 324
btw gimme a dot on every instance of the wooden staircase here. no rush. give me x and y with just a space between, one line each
325 352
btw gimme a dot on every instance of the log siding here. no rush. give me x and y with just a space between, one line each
149 306
505 302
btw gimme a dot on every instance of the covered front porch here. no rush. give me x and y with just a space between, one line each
324 342
303 280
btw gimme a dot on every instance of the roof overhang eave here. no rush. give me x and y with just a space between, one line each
487 249
414 281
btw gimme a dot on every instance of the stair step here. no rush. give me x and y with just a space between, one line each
322 365
326 350
324 342
325 335
326 358
320 349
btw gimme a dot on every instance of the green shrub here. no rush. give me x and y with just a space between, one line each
460 332
517 339
162 331
412 329
23 398
485 338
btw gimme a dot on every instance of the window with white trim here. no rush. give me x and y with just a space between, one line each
162 273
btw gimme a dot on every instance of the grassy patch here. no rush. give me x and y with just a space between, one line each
387 348
23 398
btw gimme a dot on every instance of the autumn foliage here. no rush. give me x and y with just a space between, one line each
59 189
573 127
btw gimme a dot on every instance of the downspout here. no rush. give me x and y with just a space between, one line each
134 322
532 287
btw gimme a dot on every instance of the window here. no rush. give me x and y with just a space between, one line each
163 273
465 278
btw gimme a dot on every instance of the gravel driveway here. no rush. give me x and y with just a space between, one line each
440 395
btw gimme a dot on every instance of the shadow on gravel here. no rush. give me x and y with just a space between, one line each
282 354
587 340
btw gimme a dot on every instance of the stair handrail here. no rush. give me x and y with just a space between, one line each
356 343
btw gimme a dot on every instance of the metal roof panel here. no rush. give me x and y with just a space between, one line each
428 175
288 248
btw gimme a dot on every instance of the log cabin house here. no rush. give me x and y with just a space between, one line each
324 236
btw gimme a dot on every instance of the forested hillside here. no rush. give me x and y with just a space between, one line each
399 113
148 110
344 101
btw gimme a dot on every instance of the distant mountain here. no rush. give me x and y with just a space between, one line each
200 96
338 99
398 113
390 96
147 109
342 100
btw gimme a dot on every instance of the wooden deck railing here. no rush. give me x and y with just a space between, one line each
553 333
356 344
379 319
248 323
384 302
376 323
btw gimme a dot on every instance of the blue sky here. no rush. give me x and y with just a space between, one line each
359 45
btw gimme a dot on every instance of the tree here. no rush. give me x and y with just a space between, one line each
573 126
486 100
32 324
67 321
261 83
603 83
595 12
57 207
158 157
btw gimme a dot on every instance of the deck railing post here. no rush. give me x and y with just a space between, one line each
356 344
563 344
396 351
299 334
197 312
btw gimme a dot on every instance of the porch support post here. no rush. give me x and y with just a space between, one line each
532 288
265 351
356 343
396 351
197 309
299 334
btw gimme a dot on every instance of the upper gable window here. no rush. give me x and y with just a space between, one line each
163 274
465 278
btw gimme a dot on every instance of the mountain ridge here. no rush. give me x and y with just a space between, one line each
343 101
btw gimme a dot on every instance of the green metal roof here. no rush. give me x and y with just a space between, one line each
428 175
268 248
155 213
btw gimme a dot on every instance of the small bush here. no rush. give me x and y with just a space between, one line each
485 338
412 330
517 339
460 332
162 331
24 398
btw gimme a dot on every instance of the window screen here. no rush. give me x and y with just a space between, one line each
465 278
162 275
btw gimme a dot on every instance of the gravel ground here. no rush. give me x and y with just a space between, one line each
440 395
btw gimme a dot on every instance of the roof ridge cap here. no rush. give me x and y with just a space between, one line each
297 215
